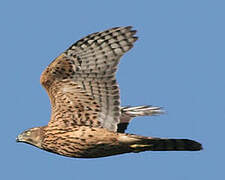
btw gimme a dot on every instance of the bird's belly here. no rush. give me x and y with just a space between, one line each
100 149
85 142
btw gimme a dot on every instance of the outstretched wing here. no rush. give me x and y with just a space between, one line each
128 113
81 82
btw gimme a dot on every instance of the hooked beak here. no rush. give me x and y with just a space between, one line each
18 138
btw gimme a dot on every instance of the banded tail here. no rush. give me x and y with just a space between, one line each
160 144
128 113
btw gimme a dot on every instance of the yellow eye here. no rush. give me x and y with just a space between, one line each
28 133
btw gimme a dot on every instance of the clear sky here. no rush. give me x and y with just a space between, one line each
177 63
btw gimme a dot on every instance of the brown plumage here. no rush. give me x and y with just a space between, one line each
87 120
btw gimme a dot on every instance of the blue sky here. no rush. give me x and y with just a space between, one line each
177 63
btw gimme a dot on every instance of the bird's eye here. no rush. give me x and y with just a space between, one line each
28 133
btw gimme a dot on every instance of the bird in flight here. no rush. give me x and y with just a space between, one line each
87 120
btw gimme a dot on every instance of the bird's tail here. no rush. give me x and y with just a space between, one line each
160 144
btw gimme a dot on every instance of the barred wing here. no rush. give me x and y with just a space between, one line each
81 82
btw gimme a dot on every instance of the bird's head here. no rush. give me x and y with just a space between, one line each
31 136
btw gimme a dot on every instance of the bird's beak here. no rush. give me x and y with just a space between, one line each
18 138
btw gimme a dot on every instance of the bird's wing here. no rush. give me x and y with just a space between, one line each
81 82
128 113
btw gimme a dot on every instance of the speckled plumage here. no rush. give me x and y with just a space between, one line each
87 120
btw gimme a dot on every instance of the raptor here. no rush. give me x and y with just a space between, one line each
87 120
